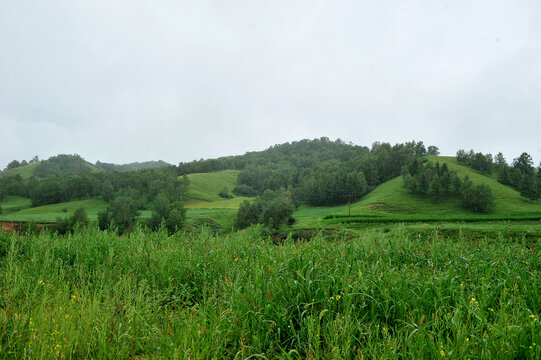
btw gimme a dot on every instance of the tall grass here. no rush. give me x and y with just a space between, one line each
376 295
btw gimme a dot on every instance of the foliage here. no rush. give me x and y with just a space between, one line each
172 215
333 183
135 166
77 221
395 294
296 166
477 161
62 164
224 193
244 190
272 209
13 165
123 211
478 198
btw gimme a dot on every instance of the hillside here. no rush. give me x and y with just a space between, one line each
56 165
49 213
134 166
392 199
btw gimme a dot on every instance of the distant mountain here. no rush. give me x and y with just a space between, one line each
62 164
135 166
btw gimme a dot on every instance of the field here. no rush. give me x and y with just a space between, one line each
203 203
397 292
49 213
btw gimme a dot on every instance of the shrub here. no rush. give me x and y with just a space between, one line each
224 193
478 198
244 190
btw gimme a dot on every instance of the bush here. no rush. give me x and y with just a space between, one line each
478 198
244 190
77 221
224 193
272 209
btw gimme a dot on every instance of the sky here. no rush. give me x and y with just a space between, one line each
131 80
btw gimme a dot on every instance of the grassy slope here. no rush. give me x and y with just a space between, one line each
206 186
28 170
391 198
11 204
49 213
25 171
203 201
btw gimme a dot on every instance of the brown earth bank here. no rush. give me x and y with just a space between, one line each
13 226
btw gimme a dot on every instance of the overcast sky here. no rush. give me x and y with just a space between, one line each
128 80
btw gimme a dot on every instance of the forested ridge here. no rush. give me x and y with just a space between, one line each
318 172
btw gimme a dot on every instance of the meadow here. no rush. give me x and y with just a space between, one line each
382 292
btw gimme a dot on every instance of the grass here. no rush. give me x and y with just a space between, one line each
25 171
28 170
203 203
11 204
49 213
371 294
393 202
206 186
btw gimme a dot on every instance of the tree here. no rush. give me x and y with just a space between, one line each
433 150
12 165
478 198
529 187
435 189
524 163
123 212
499 160
175 217
224 193
271 209
104 219
35 159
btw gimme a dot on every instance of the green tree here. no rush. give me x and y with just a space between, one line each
123 212
529 187
224 193
13 165
433 150
524 163
104 219
478 198
175 217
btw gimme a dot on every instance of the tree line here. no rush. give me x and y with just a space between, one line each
521 174
424 178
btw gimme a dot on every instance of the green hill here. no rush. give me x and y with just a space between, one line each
49 213
56 165
392 199
25 171
134 166
206 186
205 205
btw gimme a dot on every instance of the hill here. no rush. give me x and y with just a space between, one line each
134 166
62 164
391 199
205 206
49 213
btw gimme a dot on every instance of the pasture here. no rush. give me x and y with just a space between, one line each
397 292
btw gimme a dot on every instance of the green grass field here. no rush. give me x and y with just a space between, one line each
393 293
25 171
206 186
205 205
49 213
11 204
